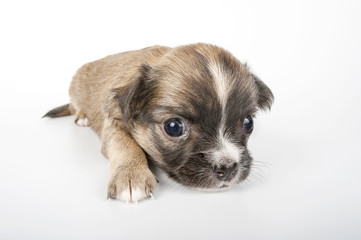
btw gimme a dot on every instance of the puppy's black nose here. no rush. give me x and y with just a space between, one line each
225 173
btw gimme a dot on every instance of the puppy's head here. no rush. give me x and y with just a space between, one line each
192 115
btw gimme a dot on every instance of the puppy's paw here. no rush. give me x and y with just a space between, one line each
81 119
83 122
131 185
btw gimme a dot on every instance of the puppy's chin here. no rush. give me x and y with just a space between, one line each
197 173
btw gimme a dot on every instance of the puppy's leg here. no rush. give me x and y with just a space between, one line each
130 177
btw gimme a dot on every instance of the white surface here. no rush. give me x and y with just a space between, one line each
306 184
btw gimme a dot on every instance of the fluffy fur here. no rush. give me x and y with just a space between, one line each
127 97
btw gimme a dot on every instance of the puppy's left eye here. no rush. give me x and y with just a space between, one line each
248 124
174 127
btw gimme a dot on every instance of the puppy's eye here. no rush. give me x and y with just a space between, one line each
174 127
248 124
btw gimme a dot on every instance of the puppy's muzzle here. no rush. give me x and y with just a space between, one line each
224 172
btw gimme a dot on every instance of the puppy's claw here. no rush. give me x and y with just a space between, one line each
112 192
151 196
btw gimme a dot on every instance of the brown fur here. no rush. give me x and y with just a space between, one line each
126 97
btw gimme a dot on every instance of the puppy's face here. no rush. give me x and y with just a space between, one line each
192 115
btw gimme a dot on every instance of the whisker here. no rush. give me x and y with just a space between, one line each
256 174
262 164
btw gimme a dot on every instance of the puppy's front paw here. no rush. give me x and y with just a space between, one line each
131 184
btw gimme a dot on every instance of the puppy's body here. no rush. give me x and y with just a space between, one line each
184 108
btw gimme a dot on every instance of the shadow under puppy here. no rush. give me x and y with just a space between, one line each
187 109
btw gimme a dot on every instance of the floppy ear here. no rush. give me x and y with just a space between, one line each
133 99
265 96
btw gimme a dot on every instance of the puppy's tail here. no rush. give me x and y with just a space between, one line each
61 111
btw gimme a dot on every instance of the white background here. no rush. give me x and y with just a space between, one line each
306 183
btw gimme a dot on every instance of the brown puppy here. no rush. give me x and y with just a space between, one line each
188 109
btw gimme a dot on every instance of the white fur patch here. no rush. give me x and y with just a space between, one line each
220 81
229 149
83 122
227 152
135 196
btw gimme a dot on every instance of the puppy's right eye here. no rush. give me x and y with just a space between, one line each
174 127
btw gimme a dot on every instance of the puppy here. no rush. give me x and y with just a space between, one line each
187 109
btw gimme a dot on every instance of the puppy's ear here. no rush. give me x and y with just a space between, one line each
134 98
265 95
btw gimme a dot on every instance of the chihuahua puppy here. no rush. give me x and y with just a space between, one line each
187 109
